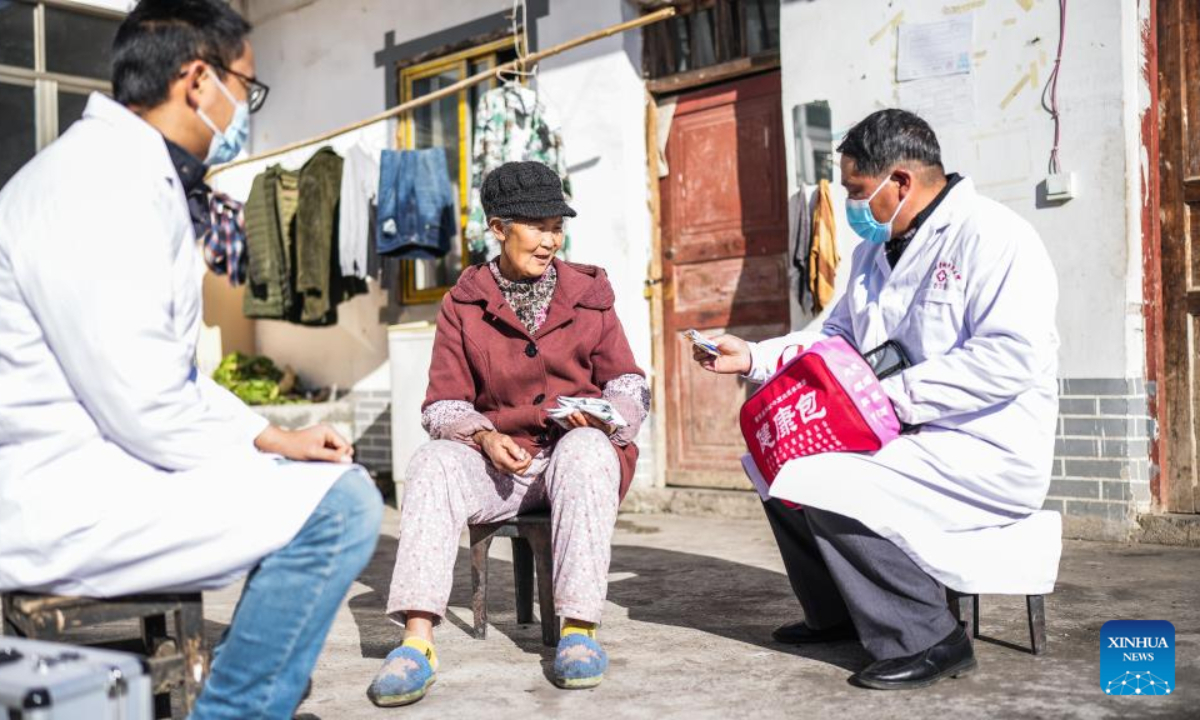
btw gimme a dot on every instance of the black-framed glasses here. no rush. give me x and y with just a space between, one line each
256 92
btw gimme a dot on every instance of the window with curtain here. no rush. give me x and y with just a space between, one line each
447 124
52 56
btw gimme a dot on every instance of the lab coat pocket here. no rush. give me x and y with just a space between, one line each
938 319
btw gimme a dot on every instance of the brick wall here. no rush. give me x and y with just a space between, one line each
373 430
1100 479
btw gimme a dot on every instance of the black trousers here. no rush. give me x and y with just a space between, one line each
841 571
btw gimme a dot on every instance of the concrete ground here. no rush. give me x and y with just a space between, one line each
692 602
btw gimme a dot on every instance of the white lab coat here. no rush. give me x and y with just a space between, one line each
121 468
972 301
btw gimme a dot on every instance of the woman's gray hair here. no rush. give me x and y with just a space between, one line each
505 223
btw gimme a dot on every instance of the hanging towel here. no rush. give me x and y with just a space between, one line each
511 124
800 209
360 182
416 215
823 256
317 273
270 211
224 240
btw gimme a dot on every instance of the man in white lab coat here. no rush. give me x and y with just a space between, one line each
123 470
966 288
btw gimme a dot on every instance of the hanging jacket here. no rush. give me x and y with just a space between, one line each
416 216
823 255
270 211
318 274
511 124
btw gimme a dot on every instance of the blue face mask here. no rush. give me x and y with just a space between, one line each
862 220
226 145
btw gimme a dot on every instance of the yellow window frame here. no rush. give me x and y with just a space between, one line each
483 55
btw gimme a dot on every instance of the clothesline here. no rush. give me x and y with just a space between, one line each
518 64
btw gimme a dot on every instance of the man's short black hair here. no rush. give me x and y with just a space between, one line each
160 36
886 138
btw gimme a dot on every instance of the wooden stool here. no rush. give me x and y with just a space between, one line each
968 606
176 656
531 546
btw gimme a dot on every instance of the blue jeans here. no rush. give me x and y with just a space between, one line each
262 664
415 217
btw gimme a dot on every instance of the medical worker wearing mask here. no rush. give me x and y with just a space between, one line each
965 286
122 469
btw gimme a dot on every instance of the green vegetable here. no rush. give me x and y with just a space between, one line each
255 380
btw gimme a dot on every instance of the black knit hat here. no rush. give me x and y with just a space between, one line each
524 190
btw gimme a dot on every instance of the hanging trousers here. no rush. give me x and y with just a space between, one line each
841 571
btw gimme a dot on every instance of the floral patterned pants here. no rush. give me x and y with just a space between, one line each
449 485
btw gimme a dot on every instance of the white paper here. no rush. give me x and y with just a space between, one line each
756 478
596 407
935 49
943 102
702 342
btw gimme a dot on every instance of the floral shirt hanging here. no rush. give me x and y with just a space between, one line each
511 124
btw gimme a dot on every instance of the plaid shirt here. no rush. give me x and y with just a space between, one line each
224 241
217 219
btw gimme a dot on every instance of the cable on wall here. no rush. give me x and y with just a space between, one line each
1050 92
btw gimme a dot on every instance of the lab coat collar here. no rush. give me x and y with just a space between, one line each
954 208
146 142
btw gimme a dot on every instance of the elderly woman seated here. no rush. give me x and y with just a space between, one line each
513 336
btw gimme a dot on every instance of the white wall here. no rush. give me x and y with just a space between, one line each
1094 240
599 95
318 57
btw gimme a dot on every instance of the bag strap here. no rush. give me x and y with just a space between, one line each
783 356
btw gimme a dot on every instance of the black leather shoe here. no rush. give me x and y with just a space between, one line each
952 657
800 633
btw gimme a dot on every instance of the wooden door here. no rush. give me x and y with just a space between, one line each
724 230
1179 184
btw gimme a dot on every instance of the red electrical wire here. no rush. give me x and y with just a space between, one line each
1052 87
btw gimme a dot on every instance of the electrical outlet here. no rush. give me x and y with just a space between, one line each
1060 187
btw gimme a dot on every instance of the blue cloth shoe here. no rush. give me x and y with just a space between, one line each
579 663
404 678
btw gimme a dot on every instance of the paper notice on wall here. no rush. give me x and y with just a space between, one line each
943 102
935 49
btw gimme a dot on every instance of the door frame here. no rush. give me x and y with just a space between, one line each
1165 187
654 293
1152 291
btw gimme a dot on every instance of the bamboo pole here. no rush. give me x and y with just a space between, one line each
519 63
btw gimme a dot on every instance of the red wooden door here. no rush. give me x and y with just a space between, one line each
724 216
